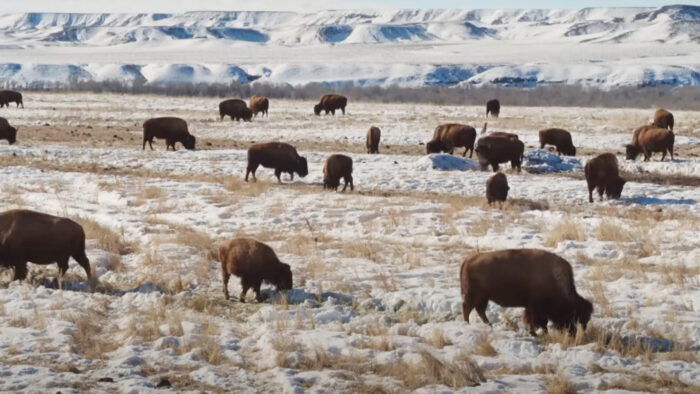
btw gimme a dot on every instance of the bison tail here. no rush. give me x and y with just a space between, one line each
483 131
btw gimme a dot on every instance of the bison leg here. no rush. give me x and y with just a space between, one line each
291 176
277 174
494 165
467 305
82 259
245 285
62 269
251 170
256 289
333 112
20 271
481 310
349 179
225 276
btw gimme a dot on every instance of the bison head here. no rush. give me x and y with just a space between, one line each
303 167
317 109
434 146
283 279
247 114
632 151
12 135
189 142
569 151
614 188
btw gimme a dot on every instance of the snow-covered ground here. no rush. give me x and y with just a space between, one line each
376 301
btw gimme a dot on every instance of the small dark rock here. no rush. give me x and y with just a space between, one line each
73 370
106 380
46 124
164 382
208 143
396 162
89 127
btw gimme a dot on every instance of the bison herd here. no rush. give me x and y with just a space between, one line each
539 281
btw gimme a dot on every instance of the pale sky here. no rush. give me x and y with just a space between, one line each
13 6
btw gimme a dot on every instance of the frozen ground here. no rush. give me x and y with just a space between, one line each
376 303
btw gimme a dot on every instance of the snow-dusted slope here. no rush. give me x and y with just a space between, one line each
596 46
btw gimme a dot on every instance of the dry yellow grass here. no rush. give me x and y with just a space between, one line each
568 229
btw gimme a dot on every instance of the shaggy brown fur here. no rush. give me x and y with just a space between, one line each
259 104
497 188
171 129
278 155
373 137
236 109
649 139
493 150
7 132
493 107
560 138
454 135
663 119
331 102
253 262
539 281
336 167
602 173
28 236
9 96
437 146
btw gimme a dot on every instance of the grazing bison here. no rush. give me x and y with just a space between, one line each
497 188
28 236
539 281
331 102
373 137
253 262
560 138
493 150
649 139
602 173
336 167
7 132
169 128
258 104
9 96
493 107
437 146
236 109
278 155
453 135
663 119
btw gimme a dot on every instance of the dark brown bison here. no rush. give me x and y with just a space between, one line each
453 135
539 281
253 262
647 140
171 129
602 173
331 102
7 132
278 155
28 236
9 96
493 107
236 109
259 104
373 137
336 167
560 138
437 146
663 119
497 188
493 150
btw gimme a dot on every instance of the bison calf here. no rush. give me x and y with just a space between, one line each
28 236
171 129
497 188
650 139
373 137
336 167
278 155
259 104
539 281
602 173
7 132
331 102
663 119
560 138
253 262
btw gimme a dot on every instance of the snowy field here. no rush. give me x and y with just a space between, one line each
376 299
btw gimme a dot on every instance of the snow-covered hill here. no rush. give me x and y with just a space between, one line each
605 47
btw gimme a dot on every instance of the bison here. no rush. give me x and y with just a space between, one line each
649 139
663 119
258 104
28 236
236 109
373 137
336 167
560 138
7 132
493 150
9 96
331 102
253 262
602 173
497 188
169 128
539 281
493 107
453 135
278 155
